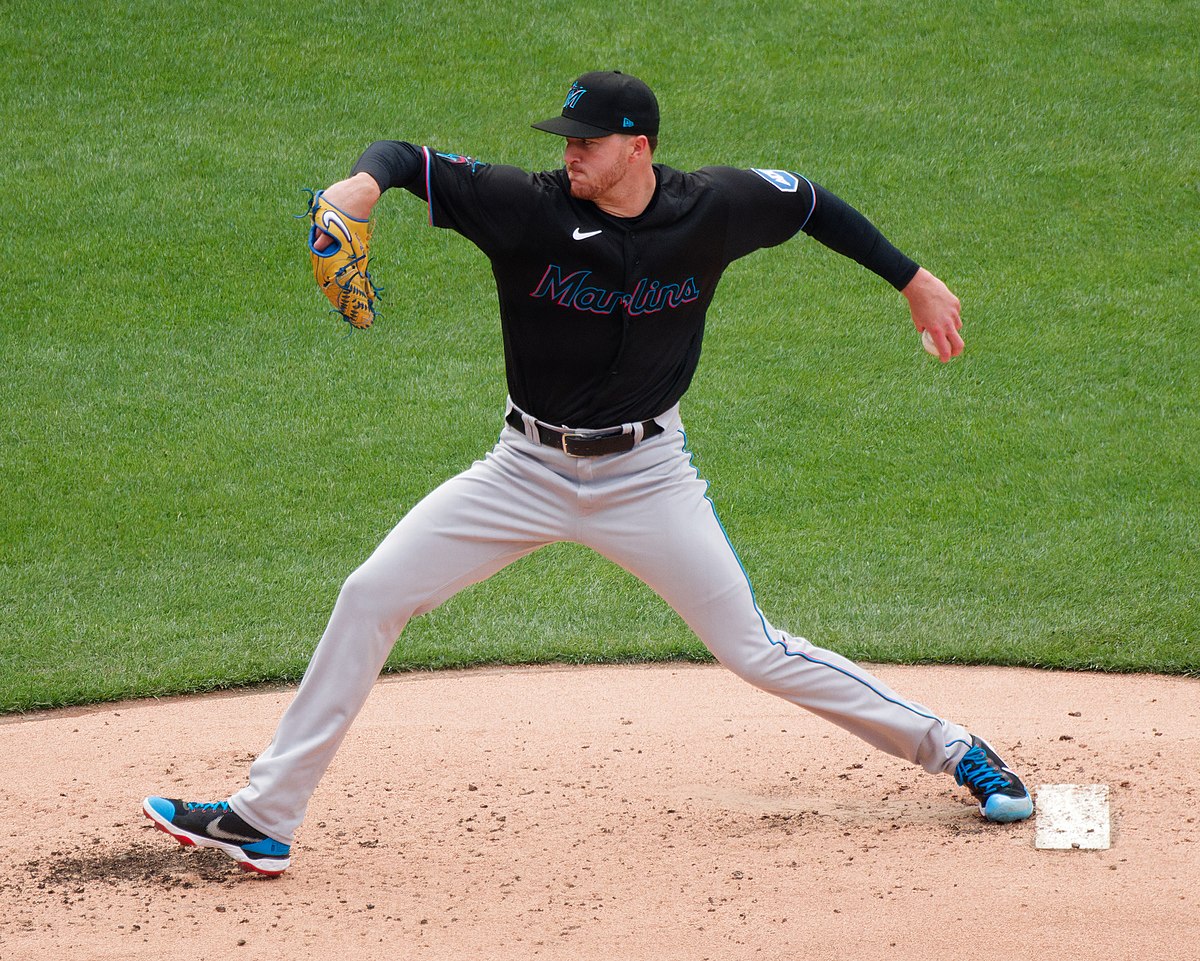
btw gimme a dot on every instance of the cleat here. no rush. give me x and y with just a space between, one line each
1001 795
215 825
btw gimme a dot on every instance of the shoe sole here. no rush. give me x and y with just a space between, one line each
270 867
1011 809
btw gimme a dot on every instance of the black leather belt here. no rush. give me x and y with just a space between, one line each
576 444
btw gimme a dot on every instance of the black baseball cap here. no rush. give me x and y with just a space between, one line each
605 102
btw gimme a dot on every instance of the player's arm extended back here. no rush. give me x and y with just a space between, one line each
840 227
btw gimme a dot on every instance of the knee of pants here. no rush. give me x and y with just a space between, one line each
370 602
779 663
770 672
762 664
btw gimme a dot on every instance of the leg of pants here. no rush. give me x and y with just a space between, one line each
670 537
464 531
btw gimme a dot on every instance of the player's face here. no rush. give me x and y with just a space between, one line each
595 167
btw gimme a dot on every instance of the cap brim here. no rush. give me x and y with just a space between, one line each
565 127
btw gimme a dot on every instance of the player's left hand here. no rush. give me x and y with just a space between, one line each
356 195
339 244
935 309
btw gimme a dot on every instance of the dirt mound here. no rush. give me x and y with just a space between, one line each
665 812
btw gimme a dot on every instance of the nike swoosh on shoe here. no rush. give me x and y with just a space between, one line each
214 830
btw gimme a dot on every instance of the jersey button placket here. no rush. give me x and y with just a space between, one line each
633 263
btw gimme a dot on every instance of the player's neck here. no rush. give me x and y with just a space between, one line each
631 196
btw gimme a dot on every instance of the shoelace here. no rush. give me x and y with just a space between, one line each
975 771
222 806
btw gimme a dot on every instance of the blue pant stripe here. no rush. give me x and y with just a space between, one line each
763 620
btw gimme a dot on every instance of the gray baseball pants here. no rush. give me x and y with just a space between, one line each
646 510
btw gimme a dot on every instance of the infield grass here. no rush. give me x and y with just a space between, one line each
194 455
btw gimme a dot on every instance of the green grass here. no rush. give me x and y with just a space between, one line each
194 455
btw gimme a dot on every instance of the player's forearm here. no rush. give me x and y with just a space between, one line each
842 228
384 164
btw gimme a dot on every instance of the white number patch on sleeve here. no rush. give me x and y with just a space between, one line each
782 180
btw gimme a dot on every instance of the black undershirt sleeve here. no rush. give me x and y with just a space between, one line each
393 163
842 228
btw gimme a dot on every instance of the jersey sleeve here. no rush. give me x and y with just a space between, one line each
490 205
766 207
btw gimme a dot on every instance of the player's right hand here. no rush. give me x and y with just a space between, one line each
935 309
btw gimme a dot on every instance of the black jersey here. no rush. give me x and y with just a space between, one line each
603 316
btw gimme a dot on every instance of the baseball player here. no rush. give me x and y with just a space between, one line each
604 269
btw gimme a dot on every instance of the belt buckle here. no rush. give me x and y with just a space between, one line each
568 436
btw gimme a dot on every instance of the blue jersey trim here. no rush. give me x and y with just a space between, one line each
813 209
428 183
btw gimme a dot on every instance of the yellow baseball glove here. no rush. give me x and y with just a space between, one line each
341 268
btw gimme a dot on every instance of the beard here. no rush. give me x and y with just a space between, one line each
599 182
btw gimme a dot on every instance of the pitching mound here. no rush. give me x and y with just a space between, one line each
666 812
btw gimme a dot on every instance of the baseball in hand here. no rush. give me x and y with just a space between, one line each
928 344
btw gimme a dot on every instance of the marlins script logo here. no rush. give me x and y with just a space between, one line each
648 297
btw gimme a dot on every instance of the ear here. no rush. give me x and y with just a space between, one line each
639 147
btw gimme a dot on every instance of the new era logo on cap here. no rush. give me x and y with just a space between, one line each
605 102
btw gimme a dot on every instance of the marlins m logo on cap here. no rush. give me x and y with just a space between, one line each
573 96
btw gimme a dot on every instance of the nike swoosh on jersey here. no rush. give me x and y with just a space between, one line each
217 833
580 235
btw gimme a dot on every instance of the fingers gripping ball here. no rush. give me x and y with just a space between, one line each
340 268
930 345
